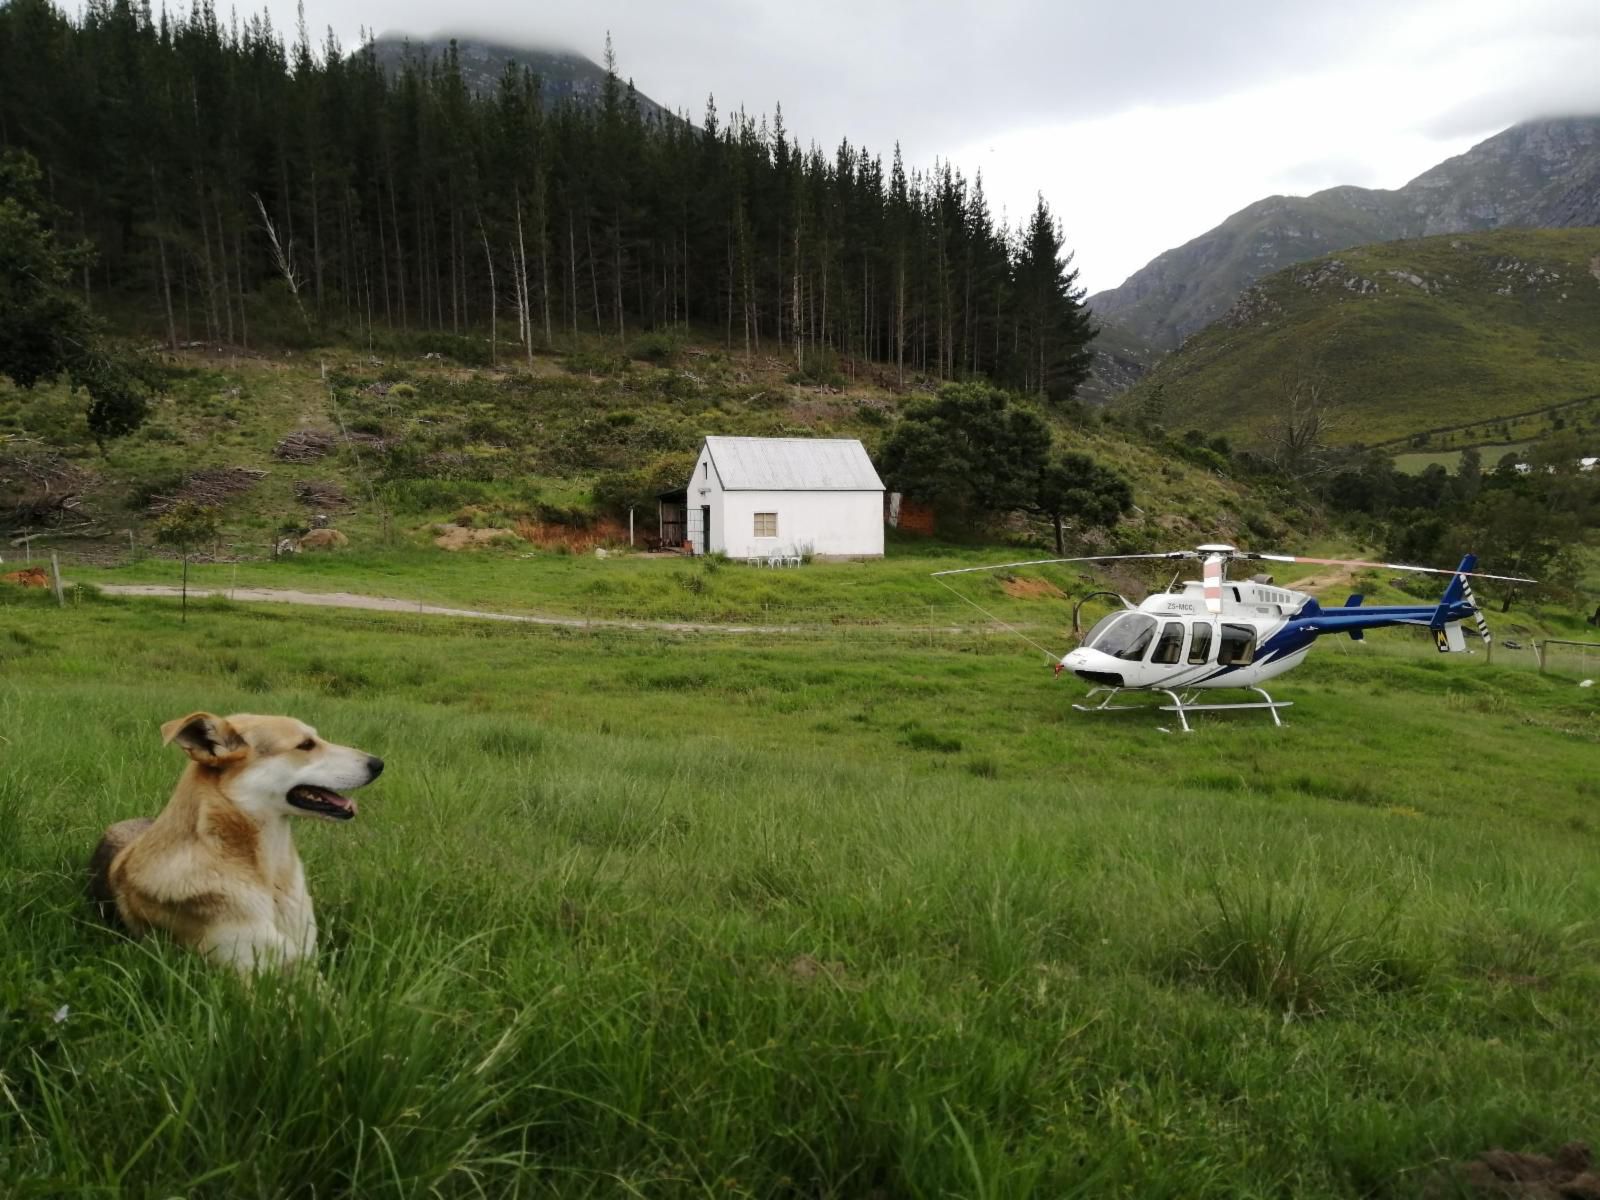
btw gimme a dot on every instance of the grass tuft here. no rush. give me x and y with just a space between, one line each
1295 953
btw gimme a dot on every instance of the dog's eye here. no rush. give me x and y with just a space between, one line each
308 744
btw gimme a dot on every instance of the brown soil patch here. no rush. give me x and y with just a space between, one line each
27 577
549 536
458 537
1032 589
324 539
1564 1175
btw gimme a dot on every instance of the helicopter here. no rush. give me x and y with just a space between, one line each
1216 633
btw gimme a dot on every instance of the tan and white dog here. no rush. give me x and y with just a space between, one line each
218 868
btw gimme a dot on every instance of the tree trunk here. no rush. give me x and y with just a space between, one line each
494 333
166 293
399 255
594 275
572 271
316 242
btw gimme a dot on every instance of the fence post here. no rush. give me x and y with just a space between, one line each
55 574
1539 653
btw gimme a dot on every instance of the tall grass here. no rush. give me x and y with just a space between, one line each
739 936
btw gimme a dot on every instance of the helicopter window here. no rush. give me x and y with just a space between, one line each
1237 646
1122 635
1169 648
1200 644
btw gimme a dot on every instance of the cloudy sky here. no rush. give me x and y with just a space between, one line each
1143 122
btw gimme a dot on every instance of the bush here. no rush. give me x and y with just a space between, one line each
597 362
451 495
656 347
616 491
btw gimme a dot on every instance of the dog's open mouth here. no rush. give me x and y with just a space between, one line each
323 802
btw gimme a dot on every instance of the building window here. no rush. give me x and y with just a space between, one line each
767 525
705 470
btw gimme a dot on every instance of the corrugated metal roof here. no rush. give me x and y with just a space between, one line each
752 464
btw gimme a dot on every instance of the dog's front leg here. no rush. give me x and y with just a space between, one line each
249 948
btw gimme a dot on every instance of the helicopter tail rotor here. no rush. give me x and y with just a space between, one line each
1460 592
1446 628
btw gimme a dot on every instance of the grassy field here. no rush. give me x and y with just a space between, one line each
894 592
1416 462
634 913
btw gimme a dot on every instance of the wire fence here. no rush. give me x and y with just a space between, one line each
1571 659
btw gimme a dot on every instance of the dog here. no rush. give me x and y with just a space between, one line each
218 869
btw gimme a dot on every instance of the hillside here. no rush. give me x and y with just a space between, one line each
1476 333
1537 174
563 75
388 448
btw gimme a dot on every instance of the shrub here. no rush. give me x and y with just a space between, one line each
597 362
656 347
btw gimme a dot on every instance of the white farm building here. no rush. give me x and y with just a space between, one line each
755 497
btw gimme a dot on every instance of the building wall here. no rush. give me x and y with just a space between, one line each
847 524
704 489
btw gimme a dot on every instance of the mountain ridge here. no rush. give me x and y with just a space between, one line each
1402 339
564 75
1541 174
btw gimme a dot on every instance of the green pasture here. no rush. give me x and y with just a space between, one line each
849 913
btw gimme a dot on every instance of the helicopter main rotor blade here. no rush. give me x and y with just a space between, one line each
1040 562
1350 562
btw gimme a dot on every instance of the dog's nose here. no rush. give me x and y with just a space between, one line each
374 768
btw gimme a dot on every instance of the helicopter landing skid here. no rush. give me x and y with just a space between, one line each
1184 705
1106 705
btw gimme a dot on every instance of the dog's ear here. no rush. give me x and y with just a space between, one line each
204 737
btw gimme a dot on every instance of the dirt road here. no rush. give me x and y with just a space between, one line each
248 595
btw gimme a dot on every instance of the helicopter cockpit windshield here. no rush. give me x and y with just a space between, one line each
1124 635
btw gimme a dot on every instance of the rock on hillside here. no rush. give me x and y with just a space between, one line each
1537 174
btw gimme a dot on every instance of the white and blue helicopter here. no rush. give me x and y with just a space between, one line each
1214 633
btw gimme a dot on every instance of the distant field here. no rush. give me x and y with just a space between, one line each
832 915
1419 461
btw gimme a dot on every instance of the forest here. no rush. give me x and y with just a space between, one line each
241 187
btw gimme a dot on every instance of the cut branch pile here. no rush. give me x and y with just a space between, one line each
210 487
304 445
368 441
321 494
37 485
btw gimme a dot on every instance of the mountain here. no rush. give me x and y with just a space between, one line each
562 75
1539 174
1468 338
